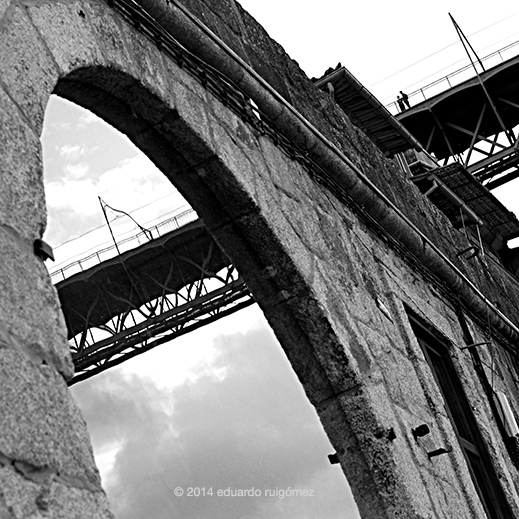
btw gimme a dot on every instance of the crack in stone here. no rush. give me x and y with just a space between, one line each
45 474
14 235
34 351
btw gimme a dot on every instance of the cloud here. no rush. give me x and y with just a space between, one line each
59 126
77 196
73 203
132 184
72 152
85 158
86 118
76 171
240 420
72 134
76 152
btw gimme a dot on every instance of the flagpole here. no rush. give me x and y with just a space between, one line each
108 223
464 39
147 232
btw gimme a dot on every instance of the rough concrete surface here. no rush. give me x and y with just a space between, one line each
335 288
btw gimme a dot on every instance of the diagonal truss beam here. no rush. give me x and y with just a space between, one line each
475 135
147 296
476 132
444 134
99 355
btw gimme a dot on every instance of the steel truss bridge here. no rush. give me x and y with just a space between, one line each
474 123
144 297
455 146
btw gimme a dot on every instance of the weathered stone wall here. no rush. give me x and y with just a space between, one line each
319 269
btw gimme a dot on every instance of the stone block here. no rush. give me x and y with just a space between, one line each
279 249
28 70
41 430
370 416
353 457
193 134
19 495
178 75
402 381
65 502
106 24
237 195
4 4
31 315
225 121
441 497
22 197
66 30
284 173
147 62
306 224
50 498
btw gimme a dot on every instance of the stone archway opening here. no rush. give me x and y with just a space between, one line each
217 410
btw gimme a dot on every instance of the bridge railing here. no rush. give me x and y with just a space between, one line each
452 79
97 257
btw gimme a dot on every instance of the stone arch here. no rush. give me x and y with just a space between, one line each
212 177
260 205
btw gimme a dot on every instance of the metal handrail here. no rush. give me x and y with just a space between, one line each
393 105
141 237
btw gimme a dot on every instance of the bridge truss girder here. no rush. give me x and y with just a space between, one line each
157 322
474 123
147 296
487 157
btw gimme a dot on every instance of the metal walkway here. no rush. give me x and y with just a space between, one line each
473 123
147 296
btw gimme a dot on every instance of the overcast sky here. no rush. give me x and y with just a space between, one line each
231 416
221 406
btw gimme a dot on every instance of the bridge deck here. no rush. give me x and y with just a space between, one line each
431 121
162 266
147 296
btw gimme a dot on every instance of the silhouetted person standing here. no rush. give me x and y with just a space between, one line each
400 103
405 100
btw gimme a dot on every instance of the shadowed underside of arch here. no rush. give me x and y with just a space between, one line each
222 167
